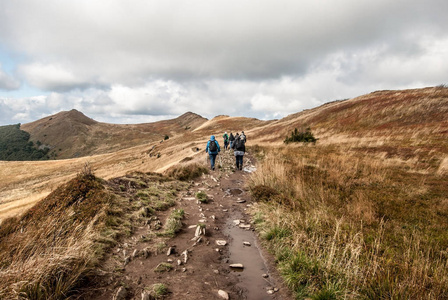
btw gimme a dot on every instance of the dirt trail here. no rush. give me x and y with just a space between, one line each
198 265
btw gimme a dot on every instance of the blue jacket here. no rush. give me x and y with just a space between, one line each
212 139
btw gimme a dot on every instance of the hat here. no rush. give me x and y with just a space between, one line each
212 138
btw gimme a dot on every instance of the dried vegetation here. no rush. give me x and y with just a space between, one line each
345 224
55 247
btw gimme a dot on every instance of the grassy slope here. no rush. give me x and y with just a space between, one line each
50 251
364 213
358 202
72 134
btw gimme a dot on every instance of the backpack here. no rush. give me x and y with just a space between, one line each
212 146
239 144
226 137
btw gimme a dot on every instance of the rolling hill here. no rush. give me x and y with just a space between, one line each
72 134
401 124
360 214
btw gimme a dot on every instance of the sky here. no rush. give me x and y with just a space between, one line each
139 61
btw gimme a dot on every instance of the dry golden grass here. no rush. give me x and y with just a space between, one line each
360 215
347 224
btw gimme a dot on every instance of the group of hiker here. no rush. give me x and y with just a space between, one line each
236 142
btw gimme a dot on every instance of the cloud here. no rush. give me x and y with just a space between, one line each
124 61
8 82
51 77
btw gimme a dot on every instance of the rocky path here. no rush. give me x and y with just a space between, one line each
214 256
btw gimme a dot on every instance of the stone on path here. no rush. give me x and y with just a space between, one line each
236 266
145 295
185 255
244 226
223 294
120 294
221 242
247 244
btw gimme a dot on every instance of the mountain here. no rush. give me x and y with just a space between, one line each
398 118
369 198
72 134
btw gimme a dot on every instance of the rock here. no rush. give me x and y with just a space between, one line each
127 260
223 294
120 294
247 244
244 226
179 262
241 201
221 242
146 296
170 251
265 275
200 230
236 266
276 289
236 222
146 252
270 292
134 254
185 255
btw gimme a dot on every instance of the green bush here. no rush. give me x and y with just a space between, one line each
15 145
300 136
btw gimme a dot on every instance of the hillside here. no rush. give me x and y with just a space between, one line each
360 214
72 134
396 122
16 146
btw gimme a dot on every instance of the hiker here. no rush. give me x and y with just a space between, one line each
226 140
212 149
243 136
231 140
239 148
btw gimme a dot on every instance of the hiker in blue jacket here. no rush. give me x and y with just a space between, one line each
212 149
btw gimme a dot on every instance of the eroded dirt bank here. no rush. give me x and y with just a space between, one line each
196 263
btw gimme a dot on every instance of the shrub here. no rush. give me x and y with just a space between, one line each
173 223
188 172
157 291
202 197
263 192
300 136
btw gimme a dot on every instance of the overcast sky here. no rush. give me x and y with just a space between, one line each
138 61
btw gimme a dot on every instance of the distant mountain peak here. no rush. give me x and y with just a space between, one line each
77 116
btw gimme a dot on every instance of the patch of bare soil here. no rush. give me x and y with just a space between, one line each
196 262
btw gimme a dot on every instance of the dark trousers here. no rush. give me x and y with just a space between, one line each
239 161
212 160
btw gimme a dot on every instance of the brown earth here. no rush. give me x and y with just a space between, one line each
206 270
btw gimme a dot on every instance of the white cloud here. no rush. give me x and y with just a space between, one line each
132 60
50 77
7 82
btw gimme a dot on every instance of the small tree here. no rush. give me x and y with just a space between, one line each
300 136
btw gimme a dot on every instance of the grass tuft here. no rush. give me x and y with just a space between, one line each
188 172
